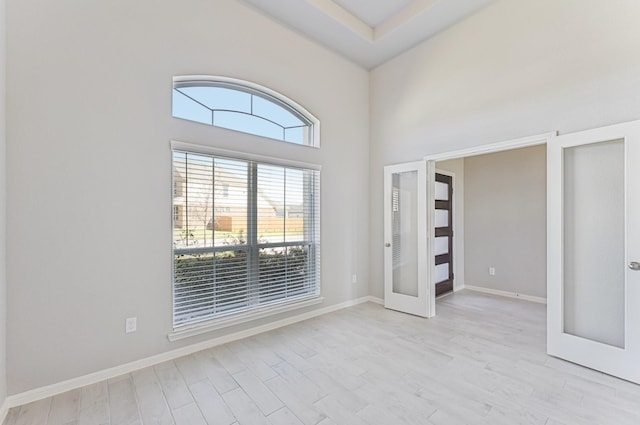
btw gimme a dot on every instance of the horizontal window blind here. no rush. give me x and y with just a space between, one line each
246 235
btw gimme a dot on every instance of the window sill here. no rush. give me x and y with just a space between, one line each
237 319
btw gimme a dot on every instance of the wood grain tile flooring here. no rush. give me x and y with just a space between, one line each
480 361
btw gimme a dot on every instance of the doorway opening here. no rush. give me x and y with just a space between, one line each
410 239
498 242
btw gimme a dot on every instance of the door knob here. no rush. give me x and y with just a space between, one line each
388 245
634 265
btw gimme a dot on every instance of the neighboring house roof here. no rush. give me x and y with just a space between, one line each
233 180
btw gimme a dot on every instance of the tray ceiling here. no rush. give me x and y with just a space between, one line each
369 32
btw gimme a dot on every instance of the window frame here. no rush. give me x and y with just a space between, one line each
257 90
207 325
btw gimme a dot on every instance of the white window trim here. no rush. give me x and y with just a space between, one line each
258 313
209 150
239 318
314 134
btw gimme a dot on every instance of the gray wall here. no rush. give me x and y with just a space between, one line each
505 221
3 209
516 68
89 167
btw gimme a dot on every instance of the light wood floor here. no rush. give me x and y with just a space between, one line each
480 361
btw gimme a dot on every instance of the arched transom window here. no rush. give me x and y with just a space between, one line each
243 106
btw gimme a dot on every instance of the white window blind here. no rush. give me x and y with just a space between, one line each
246 235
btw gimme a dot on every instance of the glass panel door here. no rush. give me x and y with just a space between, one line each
593 249
405 238
594 268
405 233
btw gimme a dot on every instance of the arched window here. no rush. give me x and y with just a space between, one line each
243 106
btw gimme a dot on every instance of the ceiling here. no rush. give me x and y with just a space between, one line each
369 32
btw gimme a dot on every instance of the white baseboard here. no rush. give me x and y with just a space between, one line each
508 294
375 300
92 378
4 410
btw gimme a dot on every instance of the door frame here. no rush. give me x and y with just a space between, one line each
430 162
523 142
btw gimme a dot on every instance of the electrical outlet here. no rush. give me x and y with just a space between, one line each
354 278
492 271
131 325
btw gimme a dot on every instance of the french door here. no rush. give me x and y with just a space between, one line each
593 252
406 223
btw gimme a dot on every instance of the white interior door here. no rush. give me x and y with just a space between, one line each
594 249
405 239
